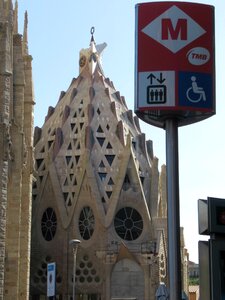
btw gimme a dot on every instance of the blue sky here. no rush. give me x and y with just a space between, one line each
57 30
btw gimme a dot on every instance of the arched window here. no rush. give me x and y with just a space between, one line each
86 223
48 224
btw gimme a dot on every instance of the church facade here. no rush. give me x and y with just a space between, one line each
95 179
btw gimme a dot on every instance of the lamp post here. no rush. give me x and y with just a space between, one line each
74 243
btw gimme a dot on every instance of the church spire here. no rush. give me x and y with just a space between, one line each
90 59
25 39
15 18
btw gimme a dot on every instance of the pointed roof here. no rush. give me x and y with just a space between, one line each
91 136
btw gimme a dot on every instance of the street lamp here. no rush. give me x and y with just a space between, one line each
74 243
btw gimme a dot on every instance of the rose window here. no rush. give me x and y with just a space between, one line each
128 223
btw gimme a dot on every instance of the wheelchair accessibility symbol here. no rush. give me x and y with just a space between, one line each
195 93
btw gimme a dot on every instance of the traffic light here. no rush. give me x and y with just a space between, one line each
216 215
211 215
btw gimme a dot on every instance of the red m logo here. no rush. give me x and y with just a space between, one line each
179 32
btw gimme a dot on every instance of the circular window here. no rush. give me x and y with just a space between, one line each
86 223
48 224
128 223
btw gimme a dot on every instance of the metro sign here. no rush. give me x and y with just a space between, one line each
175 62
176 32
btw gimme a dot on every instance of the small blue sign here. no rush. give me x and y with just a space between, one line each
51 275
195 90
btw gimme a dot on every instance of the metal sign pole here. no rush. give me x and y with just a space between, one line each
173 209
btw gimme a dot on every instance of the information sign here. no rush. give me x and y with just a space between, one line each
175 67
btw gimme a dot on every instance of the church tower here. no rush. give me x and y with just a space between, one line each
16 156
97 181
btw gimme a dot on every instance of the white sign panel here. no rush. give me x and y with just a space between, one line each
51 279
157 88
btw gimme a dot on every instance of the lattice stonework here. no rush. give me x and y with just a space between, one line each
43 149
73 151
106 148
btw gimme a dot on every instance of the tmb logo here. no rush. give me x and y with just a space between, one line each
174 29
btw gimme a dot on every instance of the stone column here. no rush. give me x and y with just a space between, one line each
26 199
5 143
15 176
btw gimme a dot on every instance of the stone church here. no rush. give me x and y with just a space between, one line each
16 155
95 179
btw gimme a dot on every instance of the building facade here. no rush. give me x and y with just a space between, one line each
97 181
16 155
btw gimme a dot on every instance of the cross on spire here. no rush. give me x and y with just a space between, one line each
92 31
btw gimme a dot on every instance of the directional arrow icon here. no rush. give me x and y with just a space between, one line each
160 79
151 76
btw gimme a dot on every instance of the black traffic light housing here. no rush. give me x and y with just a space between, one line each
211 215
